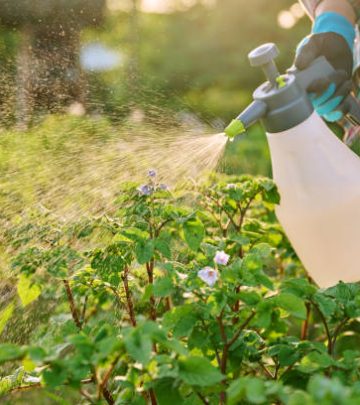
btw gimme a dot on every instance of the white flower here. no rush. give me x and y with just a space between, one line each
182 276
230 186
32 379
221 258
208 275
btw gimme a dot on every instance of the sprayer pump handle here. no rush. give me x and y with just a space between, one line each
319 69
263 56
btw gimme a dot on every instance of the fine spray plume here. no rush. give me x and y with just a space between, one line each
317 175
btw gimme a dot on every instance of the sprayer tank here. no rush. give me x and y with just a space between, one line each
319 182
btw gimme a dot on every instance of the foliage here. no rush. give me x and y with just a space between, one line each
133 323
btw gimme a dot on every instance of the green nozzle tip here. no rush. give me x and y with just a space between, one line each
281 82
235 127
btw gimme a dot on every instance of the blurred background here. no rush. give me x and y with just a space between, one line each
112 54
75 73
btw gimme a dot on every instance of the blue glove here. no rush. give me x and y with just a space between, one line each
332 36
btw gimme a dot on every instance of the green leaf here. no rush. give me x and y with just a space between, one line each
138 401
327 391
181 319
163 247
239 239
144 251
327 305
83 344
27 291
301 398
315 361
270 192
109 262
292 304
298 286
286 354
5 315
236 391
262 279
163 287
139 346
236 194
250 388
36 354
264 313
255 391
249 297
194 233
199 371
252 262
10 352
167 393
262 250
135 234
55 375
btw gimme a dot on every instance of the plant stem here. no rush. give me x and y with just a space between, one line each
168 304
202 398
150 272
152 397
161 226
267 371
107 396
326 326
71 300
216 218
337 331
236 306
212 342
242 327
289 368
87 396
224 356
128 296
107 375
39 385
26 387
305 325
227 345
153 315
83 312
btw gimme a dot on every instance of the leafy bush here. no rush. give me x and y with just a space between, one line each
183 298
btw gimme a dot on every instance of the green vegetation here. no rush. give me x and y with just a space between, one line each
116 292
195 296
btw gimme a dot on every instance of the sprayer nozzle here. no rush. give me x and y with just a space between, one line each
235 127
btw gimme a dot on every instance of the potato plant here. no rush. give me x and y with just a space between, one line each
173 298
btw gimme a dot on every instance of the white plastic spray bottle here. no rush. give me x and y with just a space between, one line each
318 176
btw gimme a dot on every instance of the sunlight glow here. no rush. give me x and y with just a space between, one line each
288 18
156 6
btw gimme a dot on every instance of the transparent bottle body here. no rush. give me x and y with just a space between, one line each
319 182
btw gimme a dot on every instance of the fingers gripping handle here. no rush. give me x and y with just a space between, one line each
319 69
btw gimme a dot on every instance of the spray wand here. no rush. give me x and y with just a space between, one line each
282 102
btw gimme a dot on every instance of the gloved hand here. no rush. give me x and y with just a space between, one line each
333 37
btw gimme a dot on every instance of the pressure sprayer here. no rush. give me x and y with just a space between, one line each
317 175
